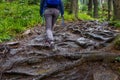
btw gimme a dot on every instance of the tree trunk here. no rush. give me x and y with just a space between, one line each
68 6
90 7
95 2
75 8
72 7
109 9
116 5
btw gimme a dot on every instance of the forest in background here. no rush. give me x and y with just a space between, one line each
17 16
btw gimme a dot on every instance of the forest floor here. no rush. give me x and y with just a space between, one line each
84 51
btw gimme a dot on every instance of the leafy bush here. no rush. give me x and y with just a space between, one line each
84 16
84 7
68 17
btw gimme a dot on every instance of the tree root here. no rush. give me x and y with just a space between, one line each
61 68
75 59
83 57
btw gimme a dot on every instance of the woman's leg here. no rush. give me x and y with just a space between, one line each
48 19
55 16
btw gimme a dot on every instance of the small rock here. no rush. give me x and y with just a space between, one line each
27 32
15 51
84 42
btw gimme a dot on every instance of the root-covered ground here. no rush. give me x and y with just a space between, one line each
84 51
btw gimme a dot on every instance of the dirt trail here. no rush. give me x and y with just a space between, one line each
83 52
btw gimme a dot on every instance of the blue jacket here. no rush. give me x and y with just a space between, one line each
43 6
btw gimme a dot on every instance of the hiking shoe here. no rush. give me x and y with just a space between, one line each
52 45
47 43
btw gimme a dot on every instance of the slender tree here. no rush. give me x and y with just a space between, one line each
75 8
71 7
95 2
90 3
116 6
109 9
68 6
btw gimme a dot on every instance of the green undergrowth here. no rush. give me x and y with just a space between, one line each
115 23
84 16
16 17
81 16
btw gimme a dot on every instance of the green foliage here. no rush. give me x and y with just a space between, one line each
33 1
16 17
84 7
81 15
103 15
115 23
84 16
117 59
29 1
117 43
68 17
5 37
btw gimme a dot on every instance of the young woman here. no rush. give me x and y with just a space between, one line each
51 9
